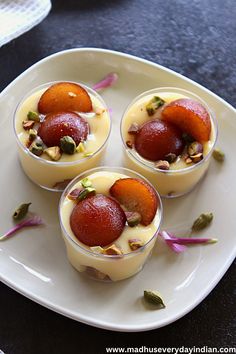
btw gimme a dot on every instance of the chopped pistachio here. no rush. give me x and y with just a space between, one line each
170 157
129 144
21 211
218 155
97 249
53 152
113 250
28 124
202 221
133 218
87 154
196 158
188 160
133 129
85 192
73 195
36 148
86 182
68 145
135 243
153 297
80 147
154 104
33 116
195 148
32 134
162 165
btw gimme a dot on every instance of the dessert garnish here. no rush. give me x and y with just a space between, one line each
36 148
21 211
86 182
218 155
135 244
68 145
113 250
33 221
53 152
162 165
202 221
129 144
133 129
108 81
32 134
28 124
61 184
170 157
178 244
33 116
136 196
133 218
153 297
154 104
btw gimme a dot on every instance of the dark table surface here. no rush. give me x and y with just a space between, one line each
195 38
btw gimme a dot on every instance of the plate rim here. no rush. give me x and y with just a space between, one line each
89 320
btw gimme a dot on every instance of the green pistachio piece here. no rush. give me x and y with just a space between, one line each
135 244
32 134
54 153
21 211
202 221
36 148
86 182
68 145
218 155
170 157
154 104
133 218
87 154
80 147
85 192
153 297
33 116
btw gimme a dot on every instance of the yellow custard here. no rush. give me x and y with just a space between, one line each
47 173
181 177
82 256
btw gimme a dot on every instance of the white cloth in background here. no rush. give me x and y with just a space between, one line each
19 16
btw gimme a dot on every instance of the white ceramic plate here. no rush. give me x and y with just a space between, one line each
34 262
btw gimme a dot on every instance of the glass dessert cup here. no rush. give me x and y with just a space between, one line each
104 267
55 175
172 182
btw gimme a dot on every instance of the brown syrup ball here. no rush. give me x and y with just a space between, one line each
158 138
97 220
57 125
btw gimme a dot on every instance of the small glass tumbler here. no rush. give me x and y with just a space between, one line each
101 266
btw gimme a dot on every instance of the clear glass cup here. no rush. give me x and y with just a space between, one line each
55 175
100 266
169 183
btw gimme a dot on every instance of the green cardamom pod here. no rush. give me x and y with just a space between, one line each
21 211
218 155
153 297
202 221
